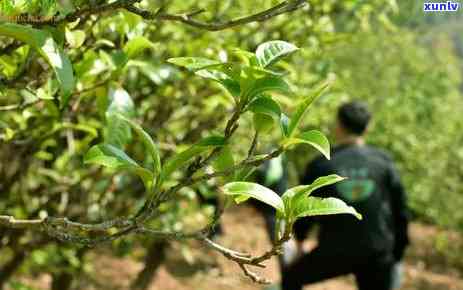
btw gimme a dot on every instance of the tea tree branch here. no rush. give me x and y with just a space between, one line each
186 18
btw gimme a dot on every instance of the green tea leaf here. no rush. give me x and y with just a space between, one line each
232 86
117 131
292 195
271 51
246 190
302 108
180 159
148 142
314 138
119 59
265 105
137 45
112 157
43 42
248 57
224 161
266 84
315 206
262 123
193 63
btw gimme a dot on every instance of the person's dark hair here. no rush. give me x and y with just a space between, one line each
354 117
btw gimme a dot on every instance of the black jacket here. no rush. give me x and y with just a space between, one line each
374 189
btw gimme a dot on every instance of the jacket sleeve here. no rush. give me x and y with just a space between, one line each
400 212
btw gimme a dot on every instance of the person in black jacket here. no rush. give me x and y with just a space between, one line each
368 248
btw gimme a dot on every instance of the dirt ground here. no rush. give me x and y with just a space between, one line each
200 269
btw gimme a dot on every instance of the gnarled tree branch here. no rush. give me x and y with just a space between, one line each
185 18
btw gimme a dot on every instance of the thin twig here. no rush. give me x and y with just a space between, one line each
253 147
20 106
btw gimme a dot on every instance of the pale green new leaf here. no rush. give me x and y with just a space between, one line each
292 195
271 51
315 206
112 157
246 190
302 108
314 138
43 42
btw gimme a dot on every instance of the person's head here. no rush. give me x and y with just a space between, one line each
352 120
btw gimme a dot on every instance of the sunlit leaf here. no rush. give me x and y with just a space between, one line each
292 195
314 138
315 206
271 51
246 190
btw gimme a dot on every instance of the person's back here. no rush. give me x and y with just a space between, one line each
370 180
367 248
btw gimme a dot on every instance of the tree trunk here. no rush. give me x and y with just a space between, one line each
10 267
63 280
153 260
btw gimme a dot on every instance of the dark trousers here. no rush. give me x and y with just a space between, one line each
372 271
